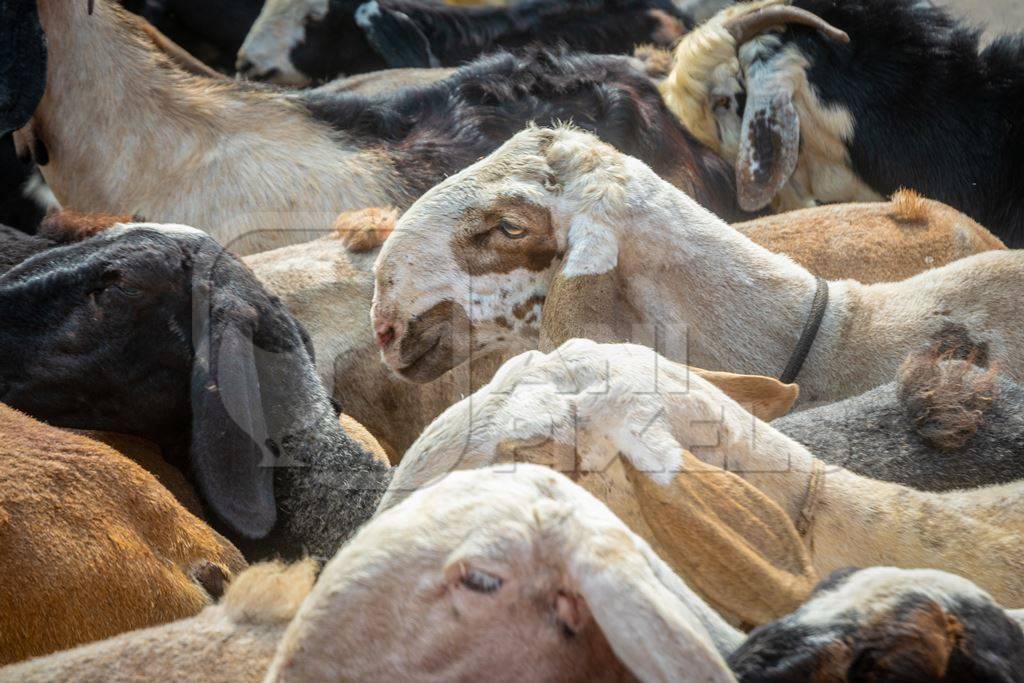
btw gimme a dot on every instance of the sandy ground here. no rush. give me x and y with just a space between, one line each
997 16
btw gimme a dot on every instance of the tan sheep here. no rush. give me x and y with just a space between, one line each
91 545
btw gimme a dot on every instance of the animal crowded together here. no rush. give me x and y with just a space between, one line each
538 340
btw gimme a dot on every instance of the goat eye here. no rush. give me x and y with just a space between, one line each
721 102
481 582
511 231
128 291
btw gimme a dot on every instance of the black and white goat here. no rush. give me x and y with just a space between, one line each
297 42
261 168
823 101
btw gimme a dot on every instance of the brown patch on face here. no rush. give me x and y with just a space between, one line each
525 308
73 226
911 644
668 27
487 250
434 342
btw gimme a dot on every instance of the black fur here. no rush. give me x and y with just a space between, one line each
210 30
22 63
338 45
168 337
931 110
16 210
439 129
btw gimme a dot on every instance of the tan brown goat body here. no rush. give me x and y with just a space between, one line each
91 544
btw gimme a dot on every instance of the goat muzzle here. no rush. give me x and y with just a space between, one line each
748 26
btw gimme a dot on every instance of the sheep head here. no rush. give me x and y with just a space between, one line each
737 90
887 624
469 264
519 575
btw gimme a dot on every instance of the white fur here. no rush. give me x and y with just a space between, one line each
278 29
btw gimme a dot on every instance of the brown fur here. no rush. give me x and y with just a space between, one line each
872 242
915 646
657 61
90 544
488 252
364 230
946 401
362 436
72 226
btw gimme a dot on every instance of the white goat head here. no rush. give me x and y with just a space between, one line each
280 27
468 265
745 93
579 407
504 576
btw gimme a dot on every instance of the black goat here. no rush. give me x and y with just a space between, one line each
910 101
158 332
297 42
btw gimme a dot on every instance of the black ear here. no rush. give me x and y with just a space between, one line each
395 37
230 453
22 63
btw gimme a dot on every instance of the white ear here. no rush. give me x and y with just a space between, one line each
650 630
592 247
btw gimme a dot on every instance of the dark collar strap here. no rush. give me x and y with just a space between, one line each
803 345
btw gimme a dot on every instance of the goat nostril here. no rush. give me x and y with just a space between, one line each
244 66
386 336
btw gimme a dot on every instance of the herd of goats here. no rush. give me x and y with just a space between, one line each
390 340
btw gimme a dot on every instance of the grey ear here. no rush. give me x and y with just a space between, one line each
769 140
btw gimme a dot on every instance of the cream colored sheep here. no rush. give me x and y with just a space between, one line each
488 574
583 405
92 545
469 265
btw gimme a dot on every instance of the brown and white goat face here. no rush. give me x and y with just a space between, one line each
468 266
497 575
888 624
281 25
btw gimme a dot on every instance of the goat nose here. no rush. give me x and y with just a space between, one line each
243 66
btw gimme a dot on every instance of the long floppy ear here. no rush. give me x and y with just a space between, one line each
228 428
769 139
648 628
592 248
395 37
732 544
765 397
585 307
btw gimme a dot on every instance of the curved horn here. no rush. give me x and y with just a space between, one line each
749 26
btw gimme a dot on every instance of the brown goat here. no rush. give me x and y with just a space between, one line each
91 545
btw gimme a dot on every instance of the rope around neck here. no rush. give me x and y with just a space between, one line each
810 332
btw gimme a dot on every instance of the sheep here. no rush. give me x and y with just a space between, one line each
943 424
237 159
230 642
80 521
857 109
298 42
155 331
590 408
887 624
558 206
520 575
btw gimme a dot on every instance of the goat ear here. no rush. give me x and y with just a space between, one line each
766 397
735 545
228 429
395 37
592 248
585 307
769 140
638 614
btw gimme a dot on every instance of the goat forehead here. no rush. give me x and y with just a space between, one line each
881 589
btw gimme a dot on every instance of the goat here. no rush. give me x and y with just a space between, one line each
230 642
155 331
237 159
890 624
80 521
587 407
808 117
521 576
558 206
298 42
327 284
943 424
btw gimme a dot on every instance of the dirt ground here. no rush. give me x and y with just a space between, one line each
997 16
